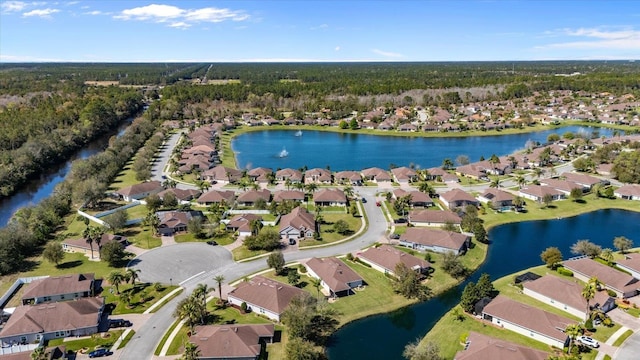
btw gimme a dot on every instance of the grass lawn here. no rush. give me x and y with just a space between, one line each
91 343
241 253
137 292
558 209
326 229
126 177
137 212
225 239
142 237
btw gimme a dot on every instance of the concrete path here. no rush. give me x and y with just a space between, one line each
168 240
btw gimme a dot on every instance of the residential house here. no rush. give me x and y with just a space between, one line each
440 241
242 223
264 296
34 323
140 191
337 279
457 198
471 171
538 193
223 342
628 192
348 178
260 175
330 197
498 199
221 174
586 181
564 186
293 175
528 321
631 264
195 162
585 268
249 198
436 218
418 198
317 176
385 258
289 195
566 295
80 245
482 347
58 288
298 224
435 173
449 178
172 222
218 197
183 195
404 175
376 175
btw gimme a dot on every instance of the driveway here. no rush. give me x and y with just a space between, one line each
624 319
174 264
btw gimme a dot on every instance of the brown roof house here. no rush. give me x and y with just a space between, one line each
293 175
140 191
223 342
317 176
628 192
586 181
631 264
566 295
437 218
82 246
330 197
217 196
222 175
58 288
418 198
249 198
528 321
456 198
440 241
260 174
498 199
183 195
242 223
337 278
623 284
264 296
290 195
376 175
483 347
538 192
298 224
348 177
564 186
385 258
34 323
172 222
404 175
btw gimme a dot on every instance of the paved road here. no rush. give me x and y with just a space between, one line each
630 349
163 157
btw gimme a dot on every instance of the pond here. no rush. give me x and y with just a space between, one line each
341 151
514 247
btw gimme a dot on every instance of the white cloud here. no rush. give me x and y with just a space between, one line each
17 6
179 17
320 27
43 13
337 48
597 38
387 53
96 13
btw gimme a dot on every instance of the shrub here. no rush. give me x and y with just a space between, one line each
611 293
350 256
588 324
302 269
565 272
243 307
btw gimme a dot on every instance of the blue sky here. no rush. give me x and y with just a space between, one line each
314 30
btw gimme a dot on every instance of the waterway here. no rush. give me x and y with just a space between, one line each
40 188
342 151
514 247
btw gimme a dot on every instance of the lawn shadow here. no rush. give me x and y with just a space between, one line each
69 264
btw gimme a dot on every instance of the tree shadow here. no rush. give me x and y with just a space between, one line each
302 284
69 264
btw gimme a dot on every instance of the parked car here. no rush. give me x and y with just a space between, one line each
364 200
113 323
100 353
588 341
378 203
400 221
211 242
394 236
292 241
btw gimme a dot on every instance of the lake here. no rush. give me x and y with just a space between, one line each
514 247
40 188
342 151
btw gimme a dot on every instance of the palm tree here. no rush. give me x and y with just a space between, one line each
607 255
572 331
152 221
92 234
116 278
39 353
125 297
97 233
588 293
495 183
191 352
133 275
201 292
287 184
316 283
538 172
520 180
348 190
219 279
190 310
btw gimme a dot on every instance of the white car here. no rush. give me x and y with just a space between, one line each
588 341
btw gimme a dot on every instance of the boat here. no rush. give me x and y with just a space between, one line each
283 153
299 133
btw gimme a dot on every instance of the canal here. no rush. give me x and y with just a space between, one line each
514 247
